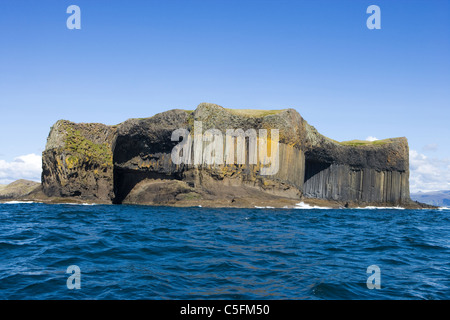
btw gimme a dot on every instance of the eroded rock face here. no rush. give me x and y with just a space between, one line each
132 163
77 161
142 150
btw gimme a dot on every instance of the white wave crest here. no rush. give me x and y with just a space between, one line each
379 208
78 204
303 205
19 202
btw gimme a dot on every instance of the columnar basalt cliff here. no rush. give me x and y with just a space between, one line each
131 163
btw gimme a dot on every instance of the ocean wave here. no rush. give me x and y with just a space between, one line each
380 208
303 205
266 207
19 202
79 204
162 253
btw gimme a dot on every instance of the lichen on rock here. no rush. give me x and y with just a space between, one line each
77 161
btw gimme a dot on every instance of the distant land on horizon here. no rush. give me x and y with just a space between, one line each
436 198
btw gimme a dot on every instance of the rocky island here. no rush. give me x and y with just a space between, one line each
131 163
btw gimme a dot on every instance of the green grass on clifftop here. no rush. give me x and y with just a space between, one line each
253 113
356 143
100 154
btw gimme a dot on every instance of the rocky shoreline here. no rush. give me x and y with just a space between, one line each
29 191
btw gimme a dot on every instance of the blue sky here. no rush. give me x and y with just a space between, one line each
137 58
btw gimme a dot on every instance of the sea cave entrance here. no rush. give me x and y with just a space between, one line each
316 172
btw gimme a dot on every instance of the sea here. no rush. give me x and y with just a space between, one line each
124 252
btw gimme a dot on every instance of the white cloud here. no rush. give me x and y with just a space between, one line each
370 138
428 174
24 167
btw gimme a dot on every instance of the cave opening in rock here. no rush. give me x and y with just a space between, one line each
139 156
315 178
125 180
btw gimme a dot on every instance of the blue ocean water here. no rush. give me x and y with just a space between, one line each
138 252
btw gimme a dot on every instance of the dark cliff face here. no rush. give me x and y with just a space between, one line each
141 150
375 173
77 161
131 162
